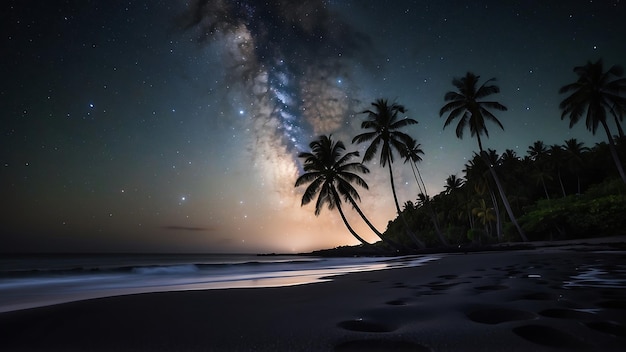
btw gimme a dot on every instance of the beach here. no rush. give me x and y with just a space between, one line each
570 297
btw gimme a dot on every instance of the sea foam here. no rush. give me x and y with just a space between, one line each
166 269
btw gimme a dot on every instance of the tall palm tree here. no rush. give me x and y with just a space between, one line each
595 93
329 174
476 173
412 154
383 124
468 106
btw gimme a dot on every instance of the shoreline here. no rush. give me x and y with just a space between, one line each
519 300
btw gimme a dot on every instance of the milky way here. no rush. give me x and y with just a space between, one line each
289 61
175 125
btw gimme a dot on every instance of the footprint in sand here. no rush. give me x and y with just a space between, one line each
613 304
499 315
608 327
364 325
448 277
548 336
491 287
373 345
541 296
397 302
400 285
567 314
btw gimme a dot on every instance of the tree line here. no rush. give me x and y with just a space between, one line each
502 197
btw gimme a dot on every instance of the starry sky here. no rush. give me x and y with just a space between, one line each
174 126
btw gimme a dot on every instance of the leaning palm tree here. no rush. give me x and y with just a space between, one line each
411 155
412 152
467 105
595 93
383 124
329 174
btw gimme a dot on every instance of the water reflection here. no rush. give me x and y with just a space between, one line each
599 276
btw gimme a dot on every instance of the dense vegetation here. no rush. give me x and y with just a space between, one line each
553 192
559 194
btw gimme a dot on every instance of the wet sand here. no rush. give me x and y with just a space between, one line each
530 300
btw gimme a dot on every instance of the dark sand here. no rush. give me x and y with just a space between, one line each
496 301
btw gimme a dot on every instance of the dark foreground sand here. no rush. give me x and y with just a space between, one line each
497 301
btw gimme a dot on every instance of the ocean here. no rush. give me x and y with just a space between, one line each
28 281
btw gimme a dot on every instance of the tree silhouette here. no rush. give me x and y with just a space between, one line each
453 183
595 93
467 105
574 151
329 175
537 151
412 156
485 214
384 126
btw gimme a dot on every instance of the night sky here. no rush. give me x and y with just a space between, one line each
172 126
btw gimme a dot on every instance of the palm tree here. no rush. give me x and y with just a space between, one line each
485 213
329 174
596 92
384 123
412 154
453 183
574 156
467 105
542 169
537 151
540 175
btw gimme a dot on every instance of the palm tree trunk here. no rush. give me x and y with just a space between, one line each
480 145
345 221
496 208
419 243
613 150
388 241
421 179
430 208
545 189
505 201
561 182
393 189
620 131
419 187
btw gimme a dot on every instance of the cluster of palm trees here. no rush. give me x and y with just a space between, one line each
544 173
330 171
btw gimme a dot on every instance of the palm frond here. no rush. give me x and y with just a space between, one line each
307 177
493 105
460 127
402 123
364 137
371 150
311 191
489 116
